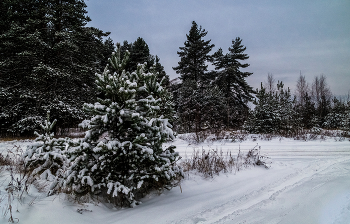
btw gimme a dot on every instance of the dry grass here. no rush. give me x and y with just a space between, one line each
210 136
209 163
16 184
213 162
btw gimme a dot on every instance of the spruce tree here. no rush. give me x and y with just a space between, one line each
121 155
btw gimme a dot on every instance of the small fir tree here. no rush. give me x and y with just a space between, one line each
45 159
121 155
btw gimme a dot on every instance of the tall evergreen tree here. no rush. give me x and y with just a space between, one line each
193 70
108 49
232 81
194 55
47 60
162 77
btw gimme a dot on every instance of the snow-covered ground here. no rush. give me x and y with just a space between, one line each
308 182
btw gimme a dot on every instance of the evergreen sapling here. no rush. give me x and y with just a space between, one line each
121 156
45 159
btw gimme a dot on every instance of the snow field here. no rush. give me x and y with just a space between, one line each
308 182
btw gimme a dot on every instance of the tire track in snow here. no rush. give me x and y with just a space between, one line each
234 207
306 178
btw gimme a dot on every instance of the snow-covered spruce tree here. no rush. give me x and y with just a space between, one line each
121 156
44 158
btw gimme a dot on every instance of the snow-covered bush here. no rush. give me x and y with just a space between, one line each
121 156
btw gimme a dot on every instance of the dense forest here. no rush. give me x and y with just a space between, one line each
49 58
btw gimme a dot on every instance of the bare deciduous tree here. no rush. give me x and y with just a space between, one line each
320 90
270 83
321 95
302 89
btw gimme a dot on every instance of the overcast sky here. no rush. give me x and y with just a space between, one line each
282 37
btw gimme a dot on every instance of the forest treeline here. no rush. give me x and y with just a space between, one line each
221 99
48 61
49 58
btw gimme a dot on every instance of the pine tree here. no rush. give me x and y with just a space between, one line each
262 118
288 124
194 55
338 116
140 53
109 48
274 112
47 60
192 68
121 154
187 106
45 159
232 81
162 77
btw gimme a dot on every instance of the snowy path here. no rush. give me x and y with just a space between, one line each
301 197
309 182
